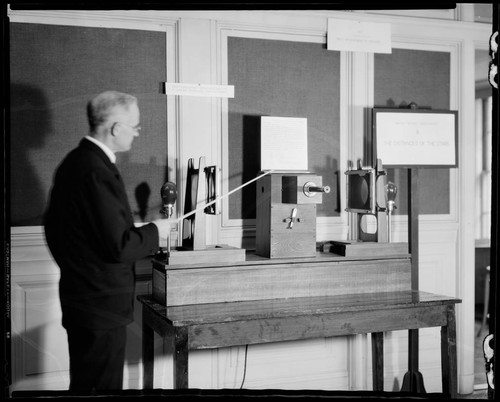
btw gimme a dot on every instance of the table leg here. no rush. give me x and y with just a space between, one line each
378 361
449 354
147 354
180 357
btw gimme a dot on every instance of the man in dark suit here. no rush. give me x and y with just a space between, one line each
92 237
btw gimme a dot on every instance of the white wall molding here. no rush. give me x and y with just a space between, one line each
126 19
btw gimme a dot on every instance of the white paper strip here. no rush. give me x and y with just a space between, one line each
217 91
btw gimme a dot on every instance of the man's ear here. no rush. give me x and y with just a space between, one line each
113 129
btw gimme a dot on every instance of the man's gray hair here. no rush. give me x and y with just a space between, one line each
103 105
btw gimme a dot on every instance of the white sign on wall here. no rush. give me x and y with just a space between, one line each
416 138
183 89
358 36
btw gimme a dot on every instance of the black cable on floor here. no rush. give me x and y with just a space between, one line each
244 367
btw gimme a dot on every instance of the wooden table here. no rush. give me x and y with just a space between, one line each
217 325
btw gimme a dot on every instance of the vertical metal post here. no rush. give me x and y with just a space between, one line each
147 352
413 380
378 361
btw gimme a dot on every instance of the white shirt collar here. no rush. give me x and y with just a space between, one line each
107 151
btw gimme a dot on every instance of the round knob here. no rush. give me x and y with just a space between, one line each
310 189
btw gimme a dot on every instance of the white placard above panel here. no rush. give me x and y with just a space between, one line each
358 36
217 91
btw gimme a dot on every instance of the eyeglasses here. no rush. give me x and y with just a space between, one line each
137 128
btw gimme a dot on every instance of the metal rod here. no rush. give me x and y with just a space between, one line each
222 196
312 189
389 227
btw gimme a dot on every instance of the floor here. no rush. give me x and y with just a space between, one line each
477 394
480 386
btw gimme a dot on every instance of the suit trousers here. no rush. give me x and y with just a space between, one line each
96 359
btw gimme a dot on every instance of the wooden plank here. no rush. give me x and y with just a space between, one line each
258 282
366 249
223 334
253 259
214 253
264 309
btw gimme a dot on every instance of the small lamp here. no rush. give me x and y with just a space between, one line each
391 191
168 194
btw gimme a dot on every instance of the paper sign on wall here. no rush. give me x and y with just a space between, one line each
283 143
358 36
416 139
218 91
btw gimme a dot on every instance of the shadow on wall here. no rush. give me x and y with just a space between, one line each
251 163
142 193
30 125
43 350
40 350
330 175
143 182
40 346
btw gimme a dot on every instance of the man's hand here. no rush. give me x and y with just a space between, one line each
164 227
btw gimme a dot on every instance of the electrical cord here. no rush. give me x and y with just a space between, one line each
244 367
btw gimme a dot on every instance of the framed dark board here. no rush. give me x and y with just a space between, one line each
54 71
415 138
287 79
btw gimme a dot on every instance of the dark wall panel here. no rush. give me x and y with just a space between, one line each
54 71
287 79
423 77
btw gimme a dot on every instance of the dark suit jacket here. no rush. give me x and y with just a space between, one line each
91 235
